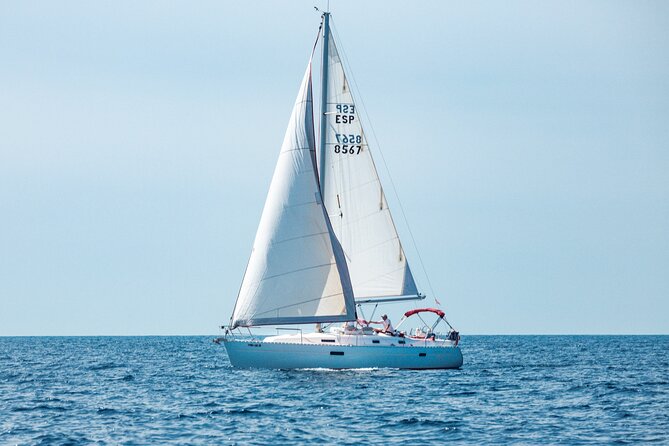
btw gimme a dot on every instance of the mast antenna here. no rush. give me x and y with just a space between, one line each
327 9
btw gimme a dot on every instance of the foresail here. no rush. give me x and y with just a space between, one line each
354 197
297 272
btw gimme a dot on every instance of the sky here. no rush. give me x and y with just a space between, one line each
528 142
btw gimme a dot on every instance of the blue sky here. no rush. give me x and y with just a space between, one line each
529 142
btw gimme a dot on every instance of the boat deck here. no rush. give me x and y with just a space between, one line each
357 339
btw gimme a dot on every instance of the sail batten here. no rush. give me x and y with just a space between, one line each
297 272
354 196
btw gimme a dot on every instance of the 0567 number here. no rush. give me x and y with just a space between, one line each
348 139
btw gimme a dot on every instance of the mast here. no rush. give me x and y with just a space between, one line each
324 99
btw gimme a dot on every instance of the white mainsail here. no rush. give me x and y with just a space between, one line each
354 197
297 272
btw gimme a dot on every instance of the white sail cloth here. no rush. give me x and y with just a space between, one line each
297 272
354 197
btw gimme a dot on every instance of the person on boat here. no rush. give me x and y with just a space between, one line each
387 325
454 336
350 327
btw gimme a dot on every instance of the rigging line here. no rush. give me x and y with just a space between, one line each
318 35
385 164
423 321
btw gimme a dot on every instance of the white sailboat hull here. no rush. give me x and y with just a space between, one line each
290 355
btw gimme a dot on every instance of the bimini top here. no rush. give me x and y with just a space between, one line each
436 311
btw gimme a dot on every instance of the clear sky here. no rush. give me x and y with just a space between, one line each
529 143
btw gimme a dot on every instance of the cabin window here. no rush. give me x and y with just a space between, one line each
375 341
422 354
337 353
327 340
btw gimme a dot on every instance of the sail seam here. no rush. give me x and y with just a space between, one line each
360 186
295 271
366 216
298 238
382 275
294 150
329 296
263 279
385 242
300 204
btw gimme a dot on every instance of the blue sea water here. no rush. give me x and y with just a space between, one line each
182 390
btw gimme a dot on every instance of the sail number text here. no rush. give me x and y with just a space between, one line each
351 149
345 114
357 139
350 144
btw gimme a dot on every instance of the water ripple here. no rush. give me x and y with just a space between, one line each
182 390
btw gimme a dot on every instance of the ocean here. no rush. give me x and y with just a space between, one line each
182 390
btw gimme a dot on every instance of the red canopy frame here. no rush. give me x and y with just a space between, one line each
441 317
436 311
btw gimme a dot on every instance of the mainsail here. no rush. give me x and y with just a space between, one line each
297 272
354 197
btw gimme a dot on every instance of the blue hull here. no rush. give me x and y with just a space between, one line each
258 354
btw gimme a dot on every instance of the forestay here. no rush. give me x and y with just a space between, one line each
354 197
297 272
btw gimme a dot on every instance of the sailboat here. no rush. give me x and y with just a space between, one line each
327 244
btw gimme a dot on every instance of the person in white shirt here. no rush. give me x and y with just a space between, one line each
387 325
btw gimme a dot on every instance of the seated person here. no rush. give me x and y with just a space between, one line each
387 326
454 336
350 327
